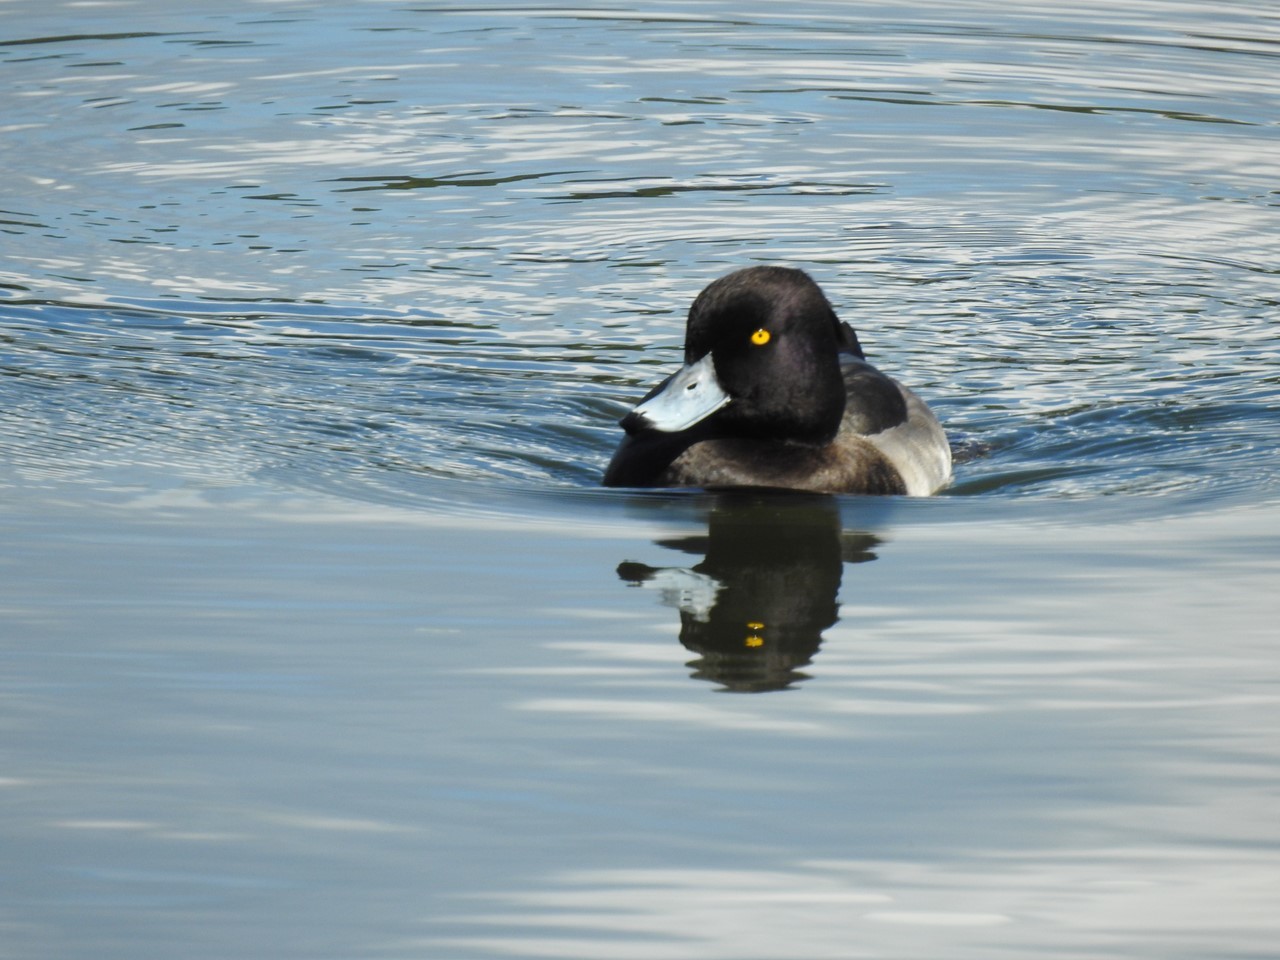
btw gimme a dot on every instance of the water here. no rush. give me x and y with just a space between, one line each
320 640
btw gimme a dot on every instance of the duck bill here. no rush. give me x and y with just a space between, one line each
689 397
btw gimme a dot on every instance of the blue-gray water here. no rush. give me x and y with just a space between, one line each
319 640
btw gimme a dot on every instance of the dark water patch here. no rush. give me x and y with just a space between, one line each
80 37
475 179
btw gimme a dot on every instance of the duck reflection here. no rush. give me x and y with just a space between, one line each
754 609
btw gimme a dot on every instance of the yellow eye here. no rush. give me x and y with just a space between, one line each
761 337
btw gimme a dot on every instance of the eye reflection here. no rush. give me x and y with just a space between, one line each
754 608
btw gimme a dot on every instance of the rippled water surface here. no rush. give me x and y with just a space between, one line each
320 639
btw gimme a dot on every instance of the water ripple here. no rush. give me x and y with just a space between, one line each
312 256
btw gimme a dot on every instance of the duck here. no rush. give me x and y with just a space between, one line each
776 392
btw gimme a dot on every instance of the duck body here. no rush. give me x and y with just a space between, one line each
776 392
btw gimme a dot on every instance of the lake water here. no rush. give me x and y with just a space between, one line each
318 638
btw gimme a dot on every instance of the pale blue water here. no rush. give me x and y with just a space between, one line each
318 638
